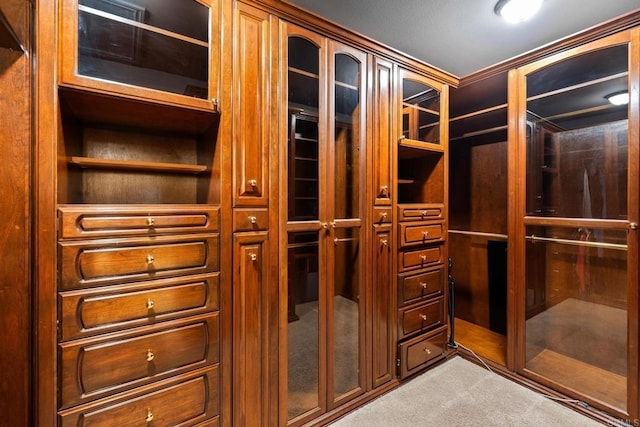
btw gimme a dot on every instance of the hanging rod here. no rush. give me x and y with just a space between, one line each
479 233
587 243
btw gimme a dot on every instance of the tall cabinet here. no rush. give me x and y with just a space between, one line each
136 196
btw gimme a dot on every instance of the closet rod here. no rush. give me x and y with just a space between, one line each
479 233
587 243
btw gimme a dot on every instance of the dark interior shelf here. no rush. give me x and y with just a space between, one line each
8 38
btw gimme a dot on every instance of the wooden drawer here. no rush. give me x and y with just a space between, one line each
419 352
250 219
382 215
414 287
421 258
101 262
412 234
419 318
95 221
420 212
182 401
93 368
99 310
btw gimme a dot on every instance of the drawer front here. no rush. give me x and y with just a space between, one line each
98 262
419 234
198 402
420 212
100 310
382 216
250 219
121 220
92 368
422 258
412 288
418 353
415 319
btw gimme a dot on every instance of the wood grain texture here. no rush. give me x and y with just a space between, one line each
15 230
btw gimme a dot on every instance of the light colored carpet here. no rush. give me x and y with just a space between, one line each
460 393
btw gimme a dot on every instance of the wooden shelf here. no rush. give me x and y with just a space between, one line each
95 163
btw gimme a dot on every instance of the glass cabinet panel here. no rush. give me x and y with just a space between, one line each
420 111
157 45
576 257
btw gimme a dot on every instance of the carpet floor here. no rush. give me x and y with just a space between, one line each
461 393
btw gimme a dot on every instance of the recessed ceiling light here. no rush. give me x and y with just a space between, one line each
618 98
514 11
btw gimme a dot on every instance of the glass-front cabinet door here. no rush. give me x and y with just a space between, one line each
324 178
157 50
576 241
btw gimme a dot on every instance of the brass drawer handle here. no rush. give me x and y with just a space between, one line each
423 258
383 216
384 242
150 259
425 234
253 183
253 257
424 285
150 221
150 355
253 219
423 213
150 304
384 190
149 415
423 317
426 350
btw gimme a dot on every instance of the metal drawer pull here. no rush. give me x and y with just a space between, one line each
383 216
150 304
426 350
150 259
384 190
423 258
253 257
149 415
424 285
253 183
423 213
425 234
253 219
384 242
150 355
423 317
150 221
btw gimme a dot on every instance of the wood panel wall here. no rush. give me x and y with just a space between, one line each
15 292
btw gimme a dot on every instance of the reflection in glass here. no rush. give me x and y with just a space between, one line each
347 138
303 329
420 112
167 55
576 299
346 310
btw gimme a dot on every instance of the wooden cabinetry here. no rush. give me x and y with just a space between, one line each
137 196
421 196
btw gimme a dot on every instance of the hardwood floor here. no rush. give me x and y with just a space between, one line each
482 341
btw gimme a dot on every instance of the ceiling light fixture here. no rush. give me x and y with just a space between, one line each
514 11
618 98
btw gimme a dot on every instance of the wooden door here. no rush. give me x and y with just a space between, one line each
383 303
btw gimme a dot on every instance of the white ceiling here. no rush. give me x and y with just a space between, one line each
464 36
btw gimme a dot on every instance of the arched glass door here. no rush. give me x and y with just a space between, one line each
325 154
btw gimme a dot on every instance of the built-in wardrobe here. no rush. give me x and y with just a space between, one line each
543 217
237 203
